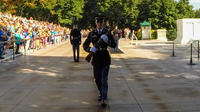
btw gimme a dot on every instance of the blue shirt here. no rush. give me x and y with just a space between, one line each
1 35
54 32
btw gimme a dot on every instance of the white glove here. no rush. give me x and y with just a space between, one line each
93 49
105 38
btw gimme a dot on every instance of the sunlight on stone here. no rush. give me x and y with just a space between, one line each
38 72
129 79
50 74
189 76
55 55
46 73
168 76
115 66
83 102
34 105
41 68
152 77
117 59
54 70
117 78
152 56
26 70
147 73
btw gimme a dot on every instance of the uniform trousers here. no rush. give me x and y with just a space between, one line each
76 52
116 47
1 49
101 79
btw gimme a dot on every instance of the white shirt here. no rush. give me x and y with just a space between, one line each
99 30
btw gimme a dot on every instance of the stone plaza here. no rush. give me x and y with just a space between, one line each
143 78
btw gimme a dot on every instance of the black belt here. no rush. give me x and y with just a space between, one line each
102 49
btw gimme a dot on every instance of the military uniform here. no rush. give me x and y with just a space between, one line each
75 39
101 59
116 37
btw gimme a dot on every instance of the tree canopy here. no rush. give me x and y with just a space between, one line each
197 13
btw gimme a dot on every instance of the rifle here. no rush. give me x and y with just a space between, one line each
97 45
100 41
89 56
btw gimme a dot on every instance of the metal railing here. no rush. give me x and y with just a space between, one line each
193 46
12 44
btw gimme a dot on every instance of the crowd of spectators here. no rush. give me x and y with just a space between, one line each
85 32
19 31
33 34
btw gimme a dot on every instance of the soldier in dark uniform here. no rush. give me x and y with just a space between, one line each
100 38
75 39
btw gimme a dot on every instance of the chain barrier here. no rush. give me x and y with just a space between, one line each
194 47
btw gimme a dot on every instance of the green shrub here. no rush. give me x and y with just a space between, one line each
153 34
171 34
139 34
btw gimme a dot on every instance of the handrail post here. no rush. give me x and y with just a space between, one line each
25 47
191 61
198 50
173 53
13 50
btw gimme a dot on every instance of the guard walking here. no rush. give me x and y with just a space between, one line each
75 39
100 38
116 34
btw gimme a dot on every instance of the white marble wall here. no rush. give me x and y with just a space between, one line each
161 34
187 30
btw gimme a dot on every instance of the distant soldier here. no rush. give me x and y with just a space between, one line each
116 34
100 39
75 39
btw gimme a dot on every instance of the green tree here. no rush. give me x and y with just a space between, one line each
62 12
121 12
69 11
168 18
144 12
2 6
90 11
113 11
160 13
197 13
10 6
185 10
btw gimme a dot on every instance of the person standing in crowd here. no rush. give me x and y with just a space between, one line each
100 38
8 39
75 39
116 34
18 38
34 38
2 39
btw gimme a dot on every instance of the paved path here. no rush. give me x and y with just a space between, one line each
142 78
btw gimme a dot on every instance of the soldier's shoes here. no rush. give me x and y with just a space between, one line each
104 103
